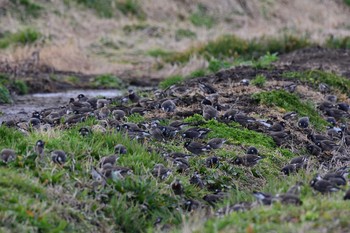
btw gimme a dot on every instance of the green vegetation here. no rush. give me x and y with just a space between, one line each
198 73
107 8
26 36
201 17
136 118
259 80
169 81
159 53
5 97
27 8
20 87
216 65
131 8
229 46
347 2
265 61
316 77
184 33
107 81
338 43
291 102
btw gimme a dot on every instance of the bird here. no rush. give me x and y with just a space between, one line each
84 131
289 115
278 126
347 195
120 149
115 172
229 114
327 145
323 186
39 148
206 88
192 204
160 171
331 98
212 162
7 155
196 147
279 137
177 187
252 150
209 112
343 106
289 199
196 180
248 160
168 106
118 114
295 189
289 168
133 97
243 119
303 122
59 157
111 159
216 143
263 198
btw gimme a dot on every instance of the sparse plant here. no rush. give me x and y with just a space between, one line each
131 7
216 65
107 81
184 33
169 81
20 86
259 80
201 17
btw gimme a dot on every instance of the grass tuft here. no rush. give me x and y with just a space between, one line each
291 102
107 81
259 80
172 80
26 36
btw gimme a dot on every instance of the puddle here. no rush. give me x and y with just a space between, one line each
24 105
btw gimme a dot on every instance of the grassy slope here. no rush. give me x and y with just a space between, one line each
43 196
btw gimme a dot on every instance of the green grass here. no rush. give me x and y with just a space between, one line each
197 73
216 65
20 87
184 33
5 97
103 8
131 8
159 53
347 2
169 81
201 17
338 43
259 80
265 61
315 77
26 36
291 102
107 81
27 8
229 46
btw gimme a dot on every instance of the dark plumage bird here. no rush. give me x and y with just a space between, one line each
196 180
289 115
212 199
111 159
343 106
59 157
120 149
209 112
252 151
263 198
39 148
295 189
289 168
303 122
331 98
323 186
280 137
317 137
278 126
161 171
157 134
192 204
331 120
313 149
84 131
212 162
115 172
168 106
196 147
229 114
216 143
289 199
243 119
118 114
327 145
206 88
7 155
248 160
347 195
193 133
177 187
133 96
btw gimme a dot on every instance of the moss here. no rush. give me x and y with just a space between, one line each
291 102
316 77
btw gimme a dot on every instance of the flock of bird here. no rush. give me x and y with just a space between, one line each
204 98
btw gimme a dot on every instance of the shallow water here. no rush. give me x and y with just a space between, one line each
24 105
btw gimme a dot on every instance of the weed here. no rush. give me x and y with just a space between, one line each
5 97
131 8
169 81
316 77
259 80
291 102
201 18
26 36
216 65
184 33
27 8
229 46
265 61
198 73
159 53
21 87
338 43
107 81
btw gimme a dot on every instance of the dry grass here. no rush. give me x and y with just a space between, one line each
74 36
